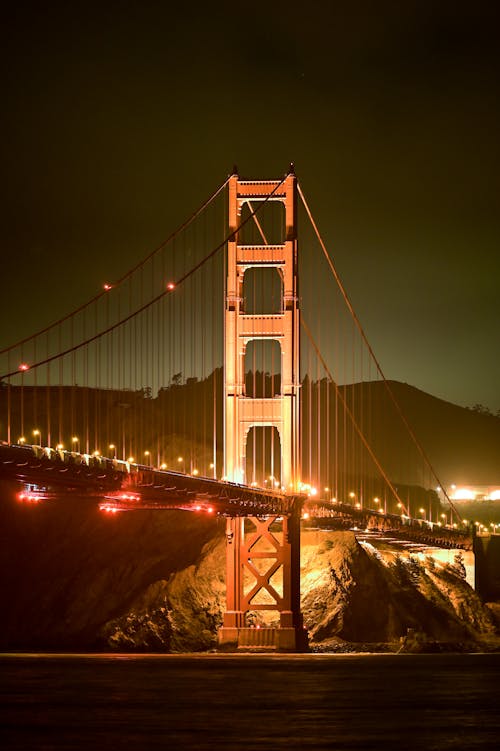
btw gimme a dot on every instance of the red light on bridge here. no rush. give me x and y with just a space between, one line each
28 498
210 510
107 287
24 366
170 286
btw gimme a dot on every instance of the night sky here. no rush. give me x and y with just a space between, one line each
120 119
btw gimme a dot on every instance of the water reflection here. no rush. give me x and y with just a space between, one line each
249 701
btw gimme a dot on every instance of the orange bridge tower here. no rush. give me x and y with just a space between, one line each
263 553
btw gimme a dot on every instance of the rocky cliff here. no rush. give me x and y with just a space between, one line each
74 578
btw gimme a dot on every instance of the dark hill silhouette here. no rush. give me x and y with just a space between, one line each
462 444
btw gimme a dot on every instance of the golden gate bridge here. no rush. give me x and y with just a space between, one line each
226 373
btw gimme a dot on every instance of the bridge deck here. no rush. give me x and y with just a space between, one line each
122 486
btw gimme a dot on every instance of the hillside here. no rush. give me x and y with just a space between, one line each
463 445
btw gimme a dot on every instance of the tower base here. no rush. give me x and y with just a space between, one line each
263 639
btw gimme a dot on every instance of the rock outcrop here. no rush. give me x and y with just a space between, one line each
352 591
72 577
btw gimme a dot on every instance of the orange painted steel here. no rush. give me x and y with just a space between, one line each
256 560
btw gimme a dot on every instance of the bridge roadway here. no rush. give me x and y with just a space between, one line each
47 474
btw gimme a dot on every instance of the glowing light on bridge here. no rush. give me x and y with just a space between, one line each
24 366
170 286
26 497
463 494
106 286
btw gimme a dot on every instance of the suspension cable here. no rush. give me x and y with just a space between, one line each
377 364
125 276
349 412
147 305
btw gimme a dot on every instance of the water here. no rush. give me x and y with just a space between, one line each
250 702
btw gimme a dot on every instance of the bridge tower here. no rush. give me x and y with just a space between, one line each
270 551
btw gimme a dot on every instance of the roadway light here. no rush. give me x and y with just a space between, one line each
21 440
38 435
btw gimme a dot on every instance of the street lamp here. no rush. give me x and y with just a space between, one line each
38 436
146 454
180 460
76 443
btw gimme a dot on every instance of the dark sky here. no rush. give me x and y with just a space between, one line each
119 119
